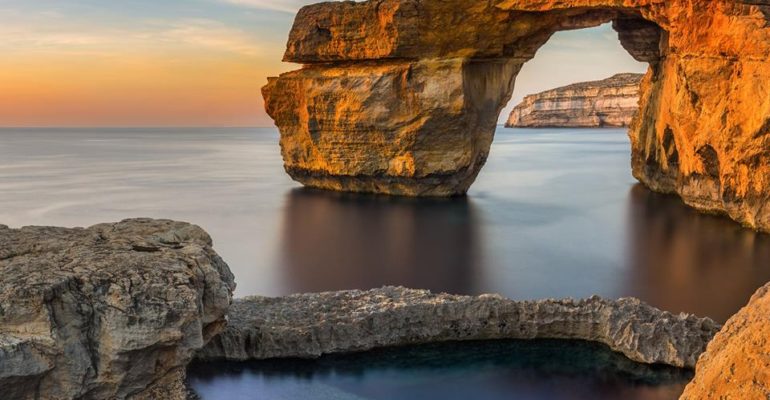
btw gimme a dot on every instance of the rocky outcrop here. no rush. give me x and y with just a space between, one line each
114 311
736 364
391 100
612 102
309 325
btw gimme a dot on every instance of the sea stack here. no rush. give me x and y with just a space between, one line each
611 102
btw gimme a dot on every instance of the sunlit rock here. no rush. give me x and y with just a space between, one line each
736 364
402 96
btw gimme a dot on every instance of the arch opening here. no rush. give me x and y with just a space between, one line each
580 62
643 40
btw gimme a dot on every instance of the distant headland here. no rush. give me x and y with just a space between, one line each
611 102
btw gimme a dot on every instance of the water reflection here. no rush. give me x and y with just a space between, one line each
344 241
683 260
540 369
674 258
553 214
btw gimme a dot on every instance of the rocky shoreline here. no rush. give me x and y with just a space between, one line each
114 311
310 325
119 311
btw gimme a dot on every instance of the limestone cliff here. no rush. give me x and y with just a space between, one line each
114 311
736 364
403 96
612 102
309 325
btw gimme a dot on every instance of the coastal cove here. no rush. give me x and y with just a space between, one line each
385 199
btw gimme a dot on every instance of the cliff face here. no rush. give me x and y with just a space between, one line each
391 100
611 102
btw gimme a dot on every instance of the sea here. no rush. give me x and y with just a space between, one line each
555 213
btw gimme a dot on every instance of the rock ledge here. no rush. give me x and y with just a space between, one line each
310 325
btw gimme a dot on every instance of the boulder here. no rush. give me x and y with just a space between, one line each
114 311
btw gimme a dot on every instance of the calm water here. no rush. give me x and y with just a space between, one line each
502 370
555 213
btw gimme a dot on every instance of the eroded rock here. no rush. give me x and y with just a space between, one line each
736 364
309 325
357 129
611 102
114 311
402 96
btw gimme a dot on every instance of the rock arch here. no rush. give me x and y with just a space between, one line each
402 96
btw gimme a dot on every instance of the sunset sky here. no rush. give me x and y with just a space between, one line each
193 62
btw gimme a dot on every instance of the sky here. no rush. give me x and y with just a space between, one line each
194 62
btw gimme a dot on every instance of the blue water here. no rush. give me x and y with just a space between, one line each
501 370
555 213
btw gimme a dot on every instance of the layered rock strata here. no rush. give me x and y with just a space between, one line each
309 325
736 364
114 311
612 102
391 100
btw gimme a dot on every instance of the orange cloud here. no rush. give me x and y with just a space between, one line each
189 91
188 72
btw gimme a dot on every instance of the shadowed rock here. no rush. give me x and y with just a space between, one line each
114 311
310 325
